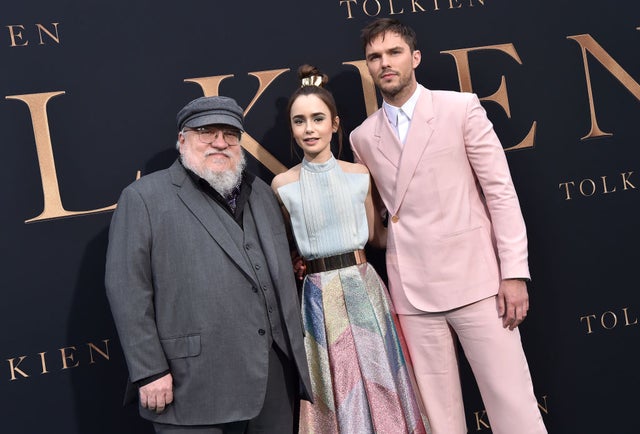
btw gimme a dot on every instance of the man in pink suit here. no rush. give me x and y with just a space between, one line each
457 245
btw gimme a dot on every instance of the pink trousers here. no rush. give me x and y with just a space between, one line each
496 357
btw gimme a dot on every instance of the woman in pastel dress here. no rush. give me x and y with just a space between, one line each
360 374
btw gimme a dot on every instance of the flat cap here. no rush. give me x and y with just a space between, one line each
208 110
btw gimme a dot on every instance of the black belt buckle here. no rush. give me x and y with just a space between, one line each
335 262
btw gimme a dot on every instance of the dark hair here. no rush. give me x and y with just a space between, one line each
383 25
308 72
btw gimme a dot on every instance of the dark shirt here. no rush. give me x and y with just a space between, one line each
242 194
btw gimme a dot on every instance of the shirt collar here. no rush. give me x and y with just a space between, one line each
408 107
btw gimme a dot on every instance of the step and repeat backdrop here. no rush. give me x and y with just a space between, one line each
89 93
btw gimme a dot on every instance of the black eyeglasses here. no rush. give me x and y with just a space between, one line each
209 135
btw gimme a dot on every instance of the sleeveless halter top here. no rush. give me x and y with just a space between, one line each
327 211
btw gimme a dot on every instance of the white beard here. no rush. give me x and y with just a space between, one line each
222 182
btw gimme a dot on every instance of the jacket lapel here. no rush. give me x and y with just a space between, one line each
195 201
418 136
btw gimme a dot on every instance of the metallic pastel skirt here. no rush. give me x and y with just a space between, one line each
360 373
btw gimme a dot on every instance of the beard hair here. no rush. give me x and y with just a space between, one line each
222 182
394 91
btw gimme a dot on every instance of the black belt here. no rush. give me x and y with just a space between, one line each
356 257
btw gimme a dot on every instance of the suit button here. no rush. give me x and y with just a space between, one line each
247 246
257 266
261 332
270 310
395 219
265 288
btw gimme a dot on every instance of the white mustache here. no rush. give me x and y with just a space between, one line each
211 152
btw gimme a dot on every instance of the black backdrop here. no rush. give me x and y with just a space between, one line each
89 96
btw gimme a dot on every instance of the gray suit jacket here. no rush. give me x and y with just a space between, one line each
182 297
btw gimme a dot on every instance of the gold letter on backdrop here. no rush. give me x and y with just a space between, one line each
461 57
368 87
93 347
37 103
587 43
14 368
16 35
42 29
210 87
68 357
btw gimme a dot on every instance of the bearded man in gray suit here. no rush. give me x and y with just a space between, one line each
202 291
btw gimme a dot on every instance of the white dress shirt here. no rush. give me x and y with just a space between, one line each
400 117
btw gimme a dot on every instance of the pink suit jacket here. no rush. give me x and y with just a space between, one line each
459 227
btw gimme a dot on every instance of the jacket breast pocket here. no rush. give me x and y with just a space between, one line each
181 347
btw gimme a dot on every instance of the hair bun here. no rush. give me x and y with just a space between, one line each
309 75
